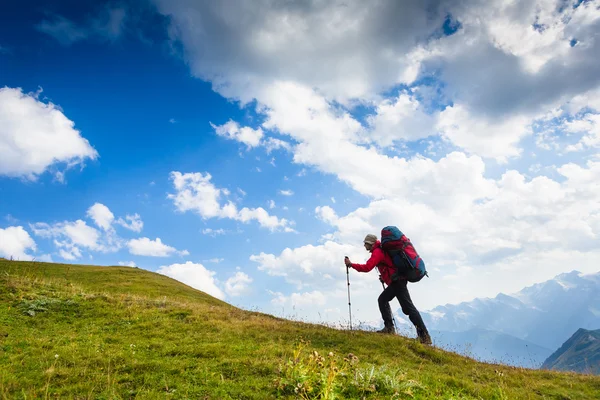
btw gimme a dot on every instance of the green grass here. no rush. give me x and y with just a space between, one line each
86 332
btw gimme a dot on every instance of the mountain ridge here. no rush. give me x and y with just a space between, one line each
580 353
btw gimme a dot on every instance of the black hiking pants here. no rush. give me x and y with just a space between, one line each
399 290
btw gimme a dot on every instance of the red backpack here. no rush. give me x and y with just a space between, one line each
407 261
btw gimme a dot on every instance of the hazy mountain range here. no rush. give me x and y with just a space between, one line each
522 328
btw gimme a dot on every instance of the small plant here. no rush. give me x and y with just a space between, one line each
36 306
310 375
31 307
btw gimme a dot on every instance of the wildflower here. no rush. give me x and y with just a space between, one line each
330 354
56 356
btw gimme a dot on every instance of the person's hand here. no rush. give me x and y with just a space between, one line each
347 261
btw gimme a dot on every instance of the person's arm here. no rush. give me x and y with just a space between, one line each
376 258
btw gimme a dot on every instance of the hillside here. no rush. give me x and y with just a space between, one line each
71 331
581 353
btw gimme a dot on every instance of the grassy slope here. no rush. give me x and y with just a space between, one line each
116 332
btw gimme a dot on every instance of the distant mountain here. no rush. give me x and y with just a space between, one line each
581 353
544 314
490 346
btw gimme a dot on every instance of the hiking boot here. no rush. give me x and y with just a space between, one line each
388 329
423 336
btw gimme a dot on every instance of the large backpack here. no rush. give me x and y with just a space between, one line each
407 261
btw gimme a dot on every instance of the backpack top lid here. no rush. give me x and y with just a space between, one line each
390 233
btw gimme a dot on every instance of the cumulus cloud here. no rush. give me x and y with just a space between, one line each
326 214
499 72
272 144
232 131
15 242
482 241
132 222
152 248
537 54
194 275
288 41
195 192
128 263
311 299
402 118
37 136
238 284
101 215
71 238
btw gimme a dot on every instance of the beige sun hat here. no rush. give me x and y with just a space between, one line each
370 238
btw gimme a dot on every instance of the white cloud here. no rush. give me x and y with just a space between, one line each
307 265
400 118
195 192
326 214
70 237
265 220
271 204
519 227
101 215
215 260
128 263
36 136
152 248
289 42
106 25
495 139
15 242
310 299
232 131
132 222
506 68
238 284
503 67
194 275
286 192
274 144
213 232
589 126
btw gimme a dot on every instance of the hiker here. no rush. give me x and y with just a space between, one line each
395 288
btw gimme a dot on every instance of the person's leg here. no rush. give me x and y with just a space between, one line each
408 308
386 311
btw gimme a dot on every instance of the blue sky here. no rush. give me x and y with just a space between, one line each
457 133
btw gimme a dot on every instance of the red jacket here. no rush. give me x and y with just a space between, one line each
378 259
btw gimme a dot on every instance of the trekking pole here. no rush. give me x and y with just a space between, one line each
349 306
